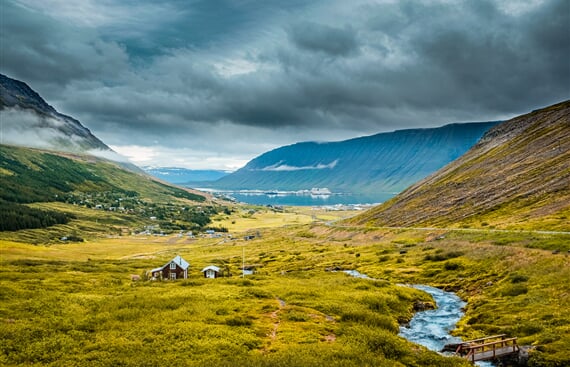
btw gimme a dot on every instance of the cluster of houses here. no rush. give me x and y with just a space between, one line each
177 268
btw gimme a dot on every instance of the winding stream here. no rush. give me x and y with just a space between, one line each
431 328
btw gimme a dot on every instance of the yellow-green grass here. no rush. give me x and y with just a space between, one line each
87 223
255 217
75 303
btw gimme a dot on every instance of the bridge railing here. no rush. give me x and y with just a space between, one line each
464 346
475 352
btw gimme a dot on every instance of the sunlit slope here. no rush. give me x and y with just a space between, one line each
516 177
32 175
46 196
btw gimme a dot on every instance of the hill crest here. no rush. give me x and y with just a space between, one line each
516 176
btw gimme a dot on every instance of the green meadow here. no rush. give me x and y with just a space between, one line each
75 303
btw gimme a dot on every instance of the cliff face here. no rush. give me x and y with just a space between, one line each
27 120
516 176
387 162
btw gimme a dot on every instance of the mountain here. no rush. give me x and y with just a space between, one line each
386 162
183 175
516 177
47 195
56 180
27 120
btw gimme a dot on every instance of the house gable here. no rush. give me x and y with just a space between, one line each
176 268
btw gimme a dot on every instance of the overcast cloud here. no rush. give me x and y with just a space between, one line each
212 84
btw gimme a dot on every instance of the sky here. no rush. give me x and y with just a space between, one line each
211 84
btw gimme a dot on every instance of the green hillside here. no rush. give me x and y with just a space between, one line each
46 196
516 177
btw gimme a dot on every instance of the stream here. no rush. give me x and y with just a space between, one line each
431 328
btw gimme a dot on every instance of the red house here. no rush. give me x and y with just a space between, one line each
176 268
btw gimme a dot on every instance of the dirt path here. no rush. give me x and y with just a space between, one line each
276 321
334 225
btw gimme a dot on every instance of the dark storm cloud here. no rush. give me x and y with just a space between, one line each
323 38
275 72
43 50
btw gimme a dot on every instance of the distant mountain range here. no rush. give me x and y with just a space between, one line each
386 162
516 177
27 120
183 175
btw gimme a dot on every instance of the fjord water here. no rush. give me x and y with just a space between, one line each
292 199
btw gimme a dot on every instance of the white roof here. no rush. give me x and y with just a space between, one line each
211 267
178 260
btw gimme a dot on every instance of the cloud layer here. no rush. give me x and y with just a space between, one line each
279 166
231 80
25 128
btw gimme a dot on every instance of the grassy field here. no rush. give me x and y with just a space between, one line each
75 303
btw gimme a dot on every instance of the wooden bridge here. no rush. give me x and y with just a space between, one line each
489 348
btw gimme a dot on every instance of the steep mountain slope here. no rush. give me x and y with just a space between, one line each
387 162
27 120
56 180
516 176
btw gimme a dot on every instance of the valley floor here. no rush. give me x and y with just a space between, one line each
77 304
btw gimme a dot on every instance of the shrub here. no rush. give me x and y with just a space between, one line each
514 290
371 319
518 278
443 256
297 316
452 265
239 321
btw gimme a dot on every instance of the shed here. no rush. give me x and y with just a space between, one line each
176 268
211 271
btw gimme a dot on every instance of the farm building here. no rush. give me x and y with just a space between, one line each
211 271
176 268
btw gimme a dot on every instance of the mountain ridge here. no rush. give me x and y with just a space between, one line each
516 176
25 111
384 162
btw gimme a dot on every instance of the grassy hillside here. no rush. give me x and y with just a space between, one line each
46 196
516 177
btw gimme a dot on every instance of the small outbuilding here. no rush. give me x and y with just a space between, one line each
176 268
211 271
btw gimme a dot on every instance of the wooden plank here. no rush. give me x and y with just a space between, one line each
485 338
490 354
502 342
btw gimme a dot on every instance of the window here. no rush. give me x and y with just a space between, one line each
172 266
173 276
